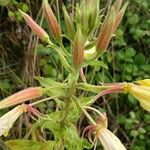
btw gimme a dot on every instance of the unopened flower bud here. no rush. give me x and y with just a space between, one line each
21 96
119 17
39 31
78 48
106 33
52 21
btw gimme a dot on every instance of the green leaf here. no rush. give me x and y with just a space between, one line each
55 88
130 52
4 2
29 145
140 59
97 63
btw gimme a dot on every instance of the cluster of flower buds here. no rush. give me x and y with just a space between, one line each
109 26
52 21
87 15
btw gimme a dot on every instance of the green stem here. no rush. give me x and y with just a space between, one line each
84 111
42 100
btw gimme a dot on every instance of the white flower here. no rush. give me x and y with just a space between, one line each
7 120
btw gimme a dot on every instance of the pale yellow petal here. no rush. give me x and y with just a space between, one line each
145 82
145 104
109 140
7 120
139 92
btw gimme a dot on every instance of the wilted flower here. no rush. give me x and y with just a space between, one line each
21 96
7 120
39 31
140 92
108 140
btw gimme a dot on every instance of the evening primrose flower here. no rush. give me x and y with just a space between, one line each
140 92
7 120
108 140
145 82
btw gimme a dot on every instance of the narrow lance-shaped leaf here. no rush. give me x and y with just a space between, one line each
39 31
52 21
69 24
21 96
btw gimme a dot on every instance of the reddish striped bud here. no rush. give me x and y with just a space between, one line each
52 21
39 31
106 33
119 17
22 96
78 48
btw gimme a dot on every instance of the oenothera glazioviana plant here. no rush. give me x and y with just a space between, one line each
89 39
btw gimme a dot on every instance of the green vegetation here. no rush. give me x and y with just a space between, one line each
25 61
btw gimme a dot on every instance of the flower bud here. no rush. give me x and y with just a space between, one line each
52 21
106 33
7 120
78 48
119 17
21 96
39 31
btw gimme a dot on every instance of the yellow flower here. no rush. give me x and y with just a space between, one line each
7 120
141 92
145 82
